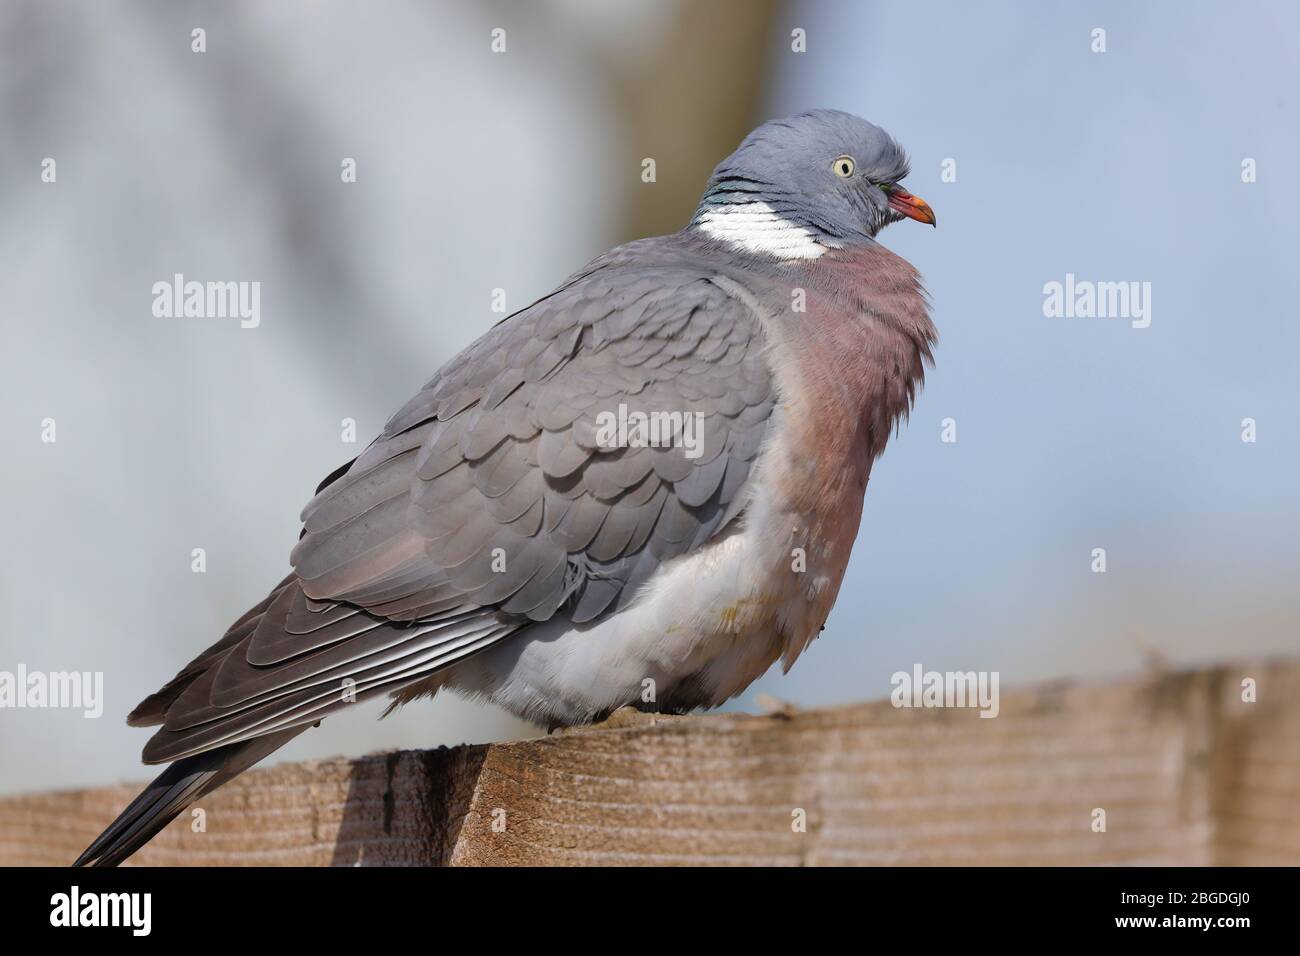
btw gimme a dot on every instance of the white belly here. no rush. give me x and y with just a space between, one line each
702 629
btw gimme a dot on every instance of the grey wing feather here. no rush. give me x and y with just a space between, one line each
492 499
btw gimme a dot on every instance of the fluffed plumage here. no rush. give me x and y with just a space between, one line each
494 541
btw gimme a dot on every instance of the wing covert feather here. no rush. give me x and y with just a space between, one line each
547 469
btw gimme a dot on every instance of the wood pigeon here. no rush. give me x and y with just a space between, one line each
640 490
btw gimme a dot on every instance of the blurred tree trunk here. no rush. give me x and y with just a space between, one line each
689 103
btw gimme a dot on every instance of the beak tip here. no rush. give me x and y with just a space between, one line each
913 207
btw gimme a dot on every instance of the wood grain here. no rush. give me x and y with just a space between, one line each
1186 772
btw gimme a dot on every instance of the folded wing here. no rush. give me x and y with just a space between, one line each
547 470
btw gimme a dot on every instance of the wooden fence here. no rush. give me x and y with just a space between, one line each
1184 770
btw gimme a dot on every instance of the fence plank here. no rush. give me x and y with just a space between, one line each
1185 770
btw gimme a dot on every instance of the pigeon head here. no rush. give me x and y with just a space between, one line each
796 187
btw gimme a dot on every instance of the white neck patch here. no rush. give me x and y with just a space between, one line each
756 227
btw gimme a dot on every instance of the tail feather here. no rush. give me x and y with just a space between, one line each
172 791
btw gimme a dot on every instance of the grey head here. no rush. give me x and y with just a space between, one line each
831 175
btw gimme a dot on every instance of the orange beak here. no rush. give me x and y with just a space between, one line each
913 207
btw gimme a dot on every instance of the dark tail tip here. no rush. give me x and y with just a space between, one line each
170 793
173 790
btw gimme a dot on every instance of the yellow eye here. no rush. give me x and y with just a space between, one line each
843 166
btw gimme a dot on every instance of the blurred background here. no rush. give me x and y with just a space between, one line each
479 170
